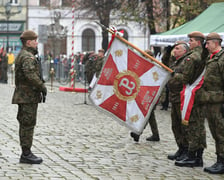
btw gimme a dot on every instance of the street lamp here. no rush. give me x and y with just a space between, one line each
8 13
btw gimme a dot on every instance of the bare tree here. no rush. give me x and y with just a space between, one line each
186 10
101 9
152 13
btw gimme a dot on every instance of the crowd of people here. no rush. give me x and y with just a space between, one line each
86 64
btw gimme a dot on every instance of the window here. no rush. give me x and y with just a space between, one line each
13 1
88 40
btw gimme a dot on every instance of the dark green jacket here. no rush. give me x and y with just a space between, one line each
98 65
213 87
175 83
194 66
27 78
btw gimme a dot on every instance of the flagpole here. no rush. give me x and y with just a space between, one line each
136 48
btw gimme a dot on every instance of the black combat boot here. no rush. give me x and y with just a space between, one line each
183 154
154 137
29 158
135 136
217 168
190 161
176 154
200 157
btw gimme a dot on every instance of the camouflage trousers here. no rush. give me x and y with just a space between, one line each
179 130
216 126
26 116
196 129
153 124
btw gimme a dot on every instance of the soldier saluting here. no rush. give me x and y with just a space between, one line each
30 90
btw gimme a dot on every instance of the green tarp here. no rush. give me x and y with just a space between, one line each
211 20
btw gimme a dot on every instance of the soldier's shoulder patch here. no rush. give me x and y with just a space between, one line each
29 57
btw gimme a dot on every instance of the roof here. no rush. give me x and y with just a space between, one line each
210 20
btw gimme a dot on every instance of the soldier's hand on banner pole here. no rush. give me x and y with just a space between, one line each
114 29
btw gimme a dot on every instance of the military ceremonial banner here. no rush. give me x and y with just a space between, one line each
129 86
187 96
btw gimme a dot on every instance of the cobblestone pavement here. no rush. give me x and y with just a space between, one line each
78 142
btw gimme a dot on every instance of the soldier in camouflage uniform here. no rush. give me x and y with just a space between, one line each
29 91
89 61
196 135
152 121
96 67
214 98
175 86
99 62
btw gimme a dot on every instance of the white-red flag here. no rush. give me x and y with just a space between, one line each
187 96
129 86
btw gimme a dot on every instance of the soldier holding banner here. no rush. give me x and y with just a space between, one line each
152 122
175 85
99 62
192 111
89 61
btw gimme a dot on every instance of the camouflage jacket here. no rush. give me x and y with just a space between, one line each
175 84
213 87
194 66
98 65
27 78
214 75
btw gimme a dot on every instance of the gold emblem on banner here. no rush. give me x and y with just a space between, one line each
119 52
129 82
155 76
134 118
98 94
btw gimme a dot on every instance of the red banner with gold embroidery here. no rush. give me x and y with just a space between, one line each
129 86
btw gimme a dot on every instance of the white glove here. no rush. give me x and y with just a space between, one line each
113 28
119 33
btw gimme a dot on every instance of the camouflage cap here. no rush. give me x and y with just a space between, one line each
28 35
213 36
196 34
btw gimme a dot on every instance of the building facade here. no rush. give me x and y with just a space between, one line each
13 16
52 21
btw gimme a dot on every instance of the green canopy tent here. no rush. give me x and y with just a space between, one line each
211 20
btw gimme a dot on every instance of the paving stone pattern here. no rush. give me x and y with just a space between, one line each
77 142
